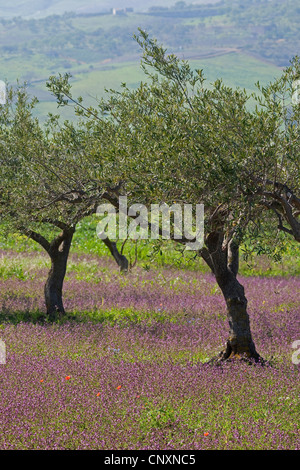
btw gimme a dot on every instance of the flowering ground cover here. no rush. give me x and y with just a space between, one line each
128 368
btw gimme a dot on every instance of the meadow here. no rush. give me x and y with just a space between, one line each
128 366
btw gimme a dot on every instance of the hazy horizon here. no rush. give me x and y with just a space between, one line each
39 9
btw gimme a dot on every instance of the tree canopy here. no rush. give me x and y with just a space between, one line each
178 138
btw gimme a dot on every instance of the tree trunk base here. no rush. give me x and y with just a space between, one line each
229 354
55 315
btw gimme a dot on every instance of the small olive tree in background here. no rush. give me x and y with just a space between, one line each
46 187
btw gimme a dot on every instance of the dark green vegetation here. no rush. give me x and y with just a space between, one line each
228 39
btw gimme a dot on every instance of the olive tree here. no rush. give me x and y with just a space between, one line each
179 139
46 188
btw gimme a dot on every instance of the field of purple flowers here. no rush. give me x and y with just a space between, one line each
127 369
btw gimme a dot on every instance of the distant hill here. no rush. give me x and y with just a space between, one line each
42 8
240 41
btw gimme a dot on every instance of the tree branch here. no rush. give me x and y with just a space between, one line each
37 237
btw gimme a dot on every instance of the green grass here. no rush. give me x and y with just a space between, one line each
171 254
143 252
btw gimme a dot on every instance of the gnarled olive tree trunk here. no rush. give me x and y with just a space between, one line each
120 259
59 252
224 265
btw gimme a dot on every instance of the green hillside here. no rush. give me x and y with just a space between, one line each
240 42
